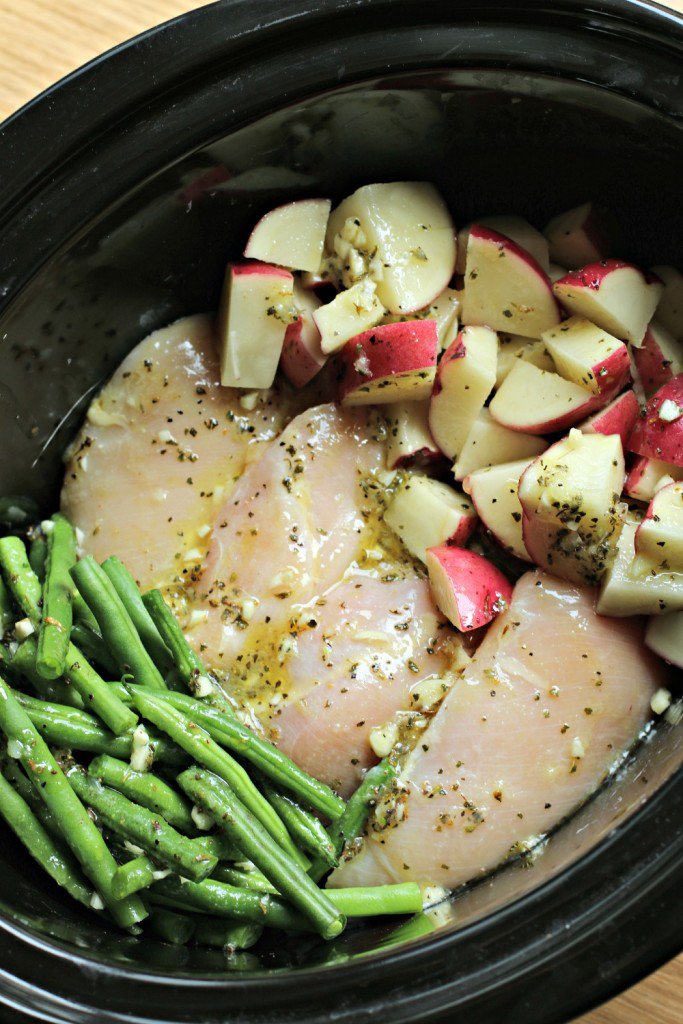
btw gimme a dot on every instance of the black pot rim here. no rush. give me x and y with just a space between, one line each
624 924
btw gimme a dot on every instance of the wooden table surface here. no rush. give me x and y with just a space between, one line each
42 40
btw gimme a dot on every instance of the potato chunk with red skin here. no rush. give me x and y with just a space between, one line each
467 588
389 363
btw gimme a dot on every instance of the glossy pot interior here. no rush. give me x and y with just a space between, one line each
123 202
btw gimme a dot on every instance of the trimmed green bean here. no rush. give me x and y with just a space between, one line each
305 829
81 613
254 880
127 589
8 615
246 831
91 644
23 662
187 662
263 755
216 898
78 828
132 876
200 746
69 727
26 589
219 846
144 828
358 807
171 926
146 789
20 578
37 555
52 858
57 613
379 900
115 625
216 931
15 775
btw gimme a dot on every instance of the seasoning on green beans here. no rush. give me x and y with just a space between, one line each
146 789
187 662
127 589
56 619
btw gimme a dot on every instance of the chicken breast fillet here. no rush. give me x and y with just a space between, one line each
551 700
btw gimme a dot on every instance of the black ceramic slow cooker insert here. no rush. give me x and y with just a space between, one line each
114 220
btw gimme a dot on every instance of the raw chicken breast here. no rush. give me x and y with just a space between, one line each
357 656
553 697
289 530
160 447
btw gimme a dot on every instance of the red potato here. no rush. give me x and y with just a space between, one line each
588 356
256 308
538 402
468 589
425 513
619 417
291 235
494 493
615 295
409 440
505 288
670 308
569 498
664 636
390 362
400 235
628 587
659 358
302 356
515 228
489 444
349 313
645 477
444 310
577 237
530 350
659 538
465 378
659 433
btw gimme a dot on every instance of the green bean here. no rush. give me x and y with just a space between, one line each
216 931
116 627
81 613
17 512
212 793
358 807
144 828
199 745
52 858
91 644
68 727
15 775
78 828
305 829
8 615
374 901
97 694
263 755
222 900
219 846
146 789
132 876
23 663
57 614
414 928
187 663
26 589
127 589
20 578
171 926
37 555
254 880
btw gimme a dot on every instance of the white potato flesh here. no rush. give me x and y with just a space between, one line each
628 588
464 379
659 540
256 308
401 235
513 347
587 355
292 235
490 444
425 513
664 636
496 501
349 313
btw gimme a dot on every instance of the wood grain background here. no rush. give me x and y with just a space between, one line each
43 40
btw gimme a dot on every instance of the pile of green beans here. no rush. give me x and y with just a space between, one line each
149 804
